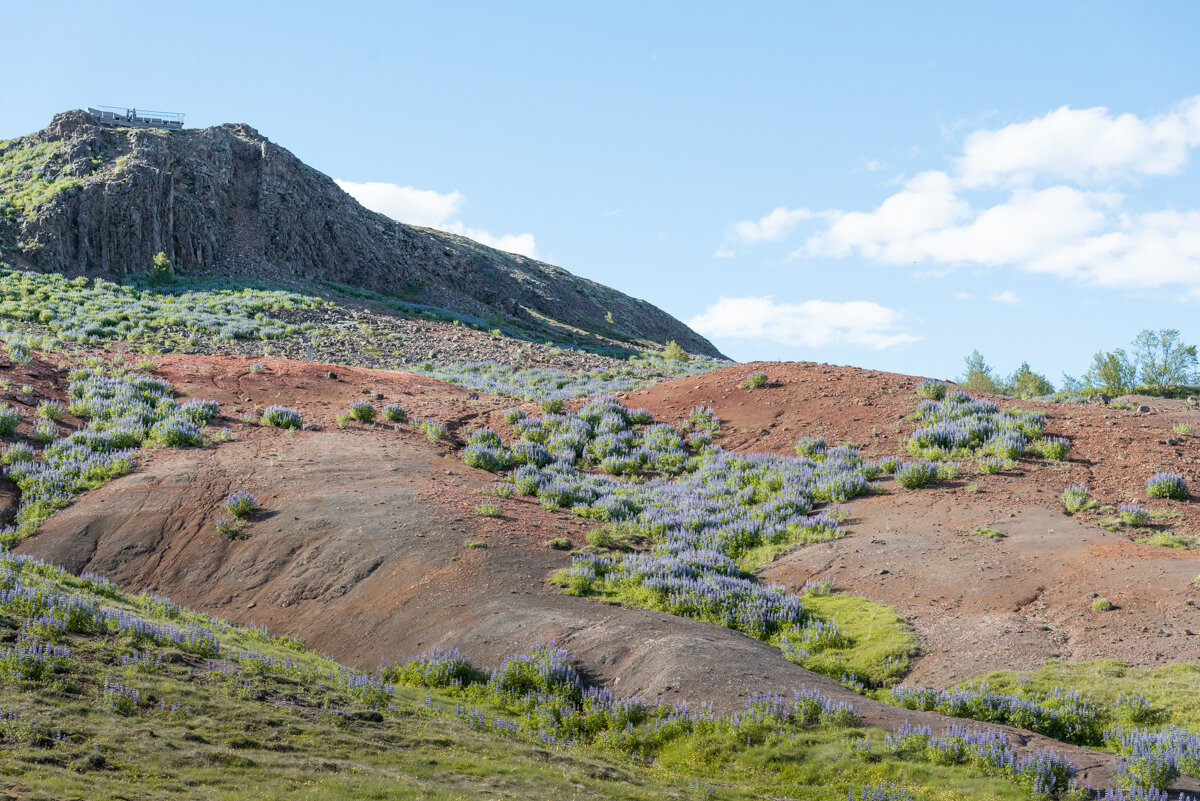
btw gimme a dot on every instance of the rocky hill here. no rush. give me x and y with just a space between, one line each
79 198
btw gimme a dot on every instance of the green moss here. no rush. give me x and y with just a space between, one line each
26 182
879 643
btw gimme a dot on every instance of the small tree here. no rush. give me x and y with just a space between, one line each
673 352
1025 382
162 267
1163 360
979 374
1111 372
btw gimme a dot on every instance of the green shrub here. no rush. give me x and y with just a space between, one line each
362 411
282 417
1077 498
755 381
488 510
1102 605
915 475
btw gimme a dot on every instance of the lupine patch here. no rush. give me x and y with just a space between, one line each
1133 515
963 426
931 389
703 512
1167 485
282 417
120 413
241 503
362 411
1076 498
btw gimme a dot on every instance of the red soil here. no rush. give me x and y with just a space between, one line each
361 550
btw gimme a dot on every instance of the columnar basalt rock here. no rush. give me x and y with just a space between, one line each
227 199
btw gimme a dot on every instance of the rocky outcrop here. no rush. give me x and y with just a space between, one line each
227 199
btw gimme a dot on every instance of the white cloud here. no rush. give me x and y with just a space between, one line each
927 203
874 165
405 204
771 228
1082 145
941 221
431 209
813 323
724 253
1007 296
961 296
513 243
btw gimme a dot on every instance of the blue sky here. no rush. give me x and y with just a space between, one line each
879 184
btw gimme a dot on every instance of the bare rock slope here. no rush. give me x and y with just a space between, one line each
227 198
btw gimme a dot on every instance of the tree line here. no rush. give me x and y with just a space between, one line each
1157 363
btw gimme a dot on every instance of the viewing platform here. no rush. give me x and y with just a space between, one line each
136 118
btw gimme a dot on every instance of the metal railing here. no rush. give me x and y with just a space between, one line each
144 116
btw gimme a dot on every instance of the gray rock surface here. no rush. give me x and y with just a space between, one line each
228 199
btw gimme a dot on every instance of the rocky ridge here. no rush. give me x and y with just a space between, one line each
227 199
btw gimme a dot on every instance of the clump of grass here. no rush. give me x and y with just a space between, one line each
755 381
1182 429
394 413
1169 539
1077 498
362 411
146 364
1167 485
282 417
474 544
614 538
990 533
488 510
1102 605
972 488
559 543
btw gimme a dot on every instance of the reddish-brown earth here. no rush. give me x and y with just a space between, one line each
979 604
361 548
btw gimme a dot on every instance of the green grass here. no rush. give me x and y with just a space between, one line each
1173 689
880 643
25 180
1168 539
256 727
990 533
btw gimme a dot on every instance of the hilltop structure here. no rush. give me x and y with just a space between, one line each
110 195
132 118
